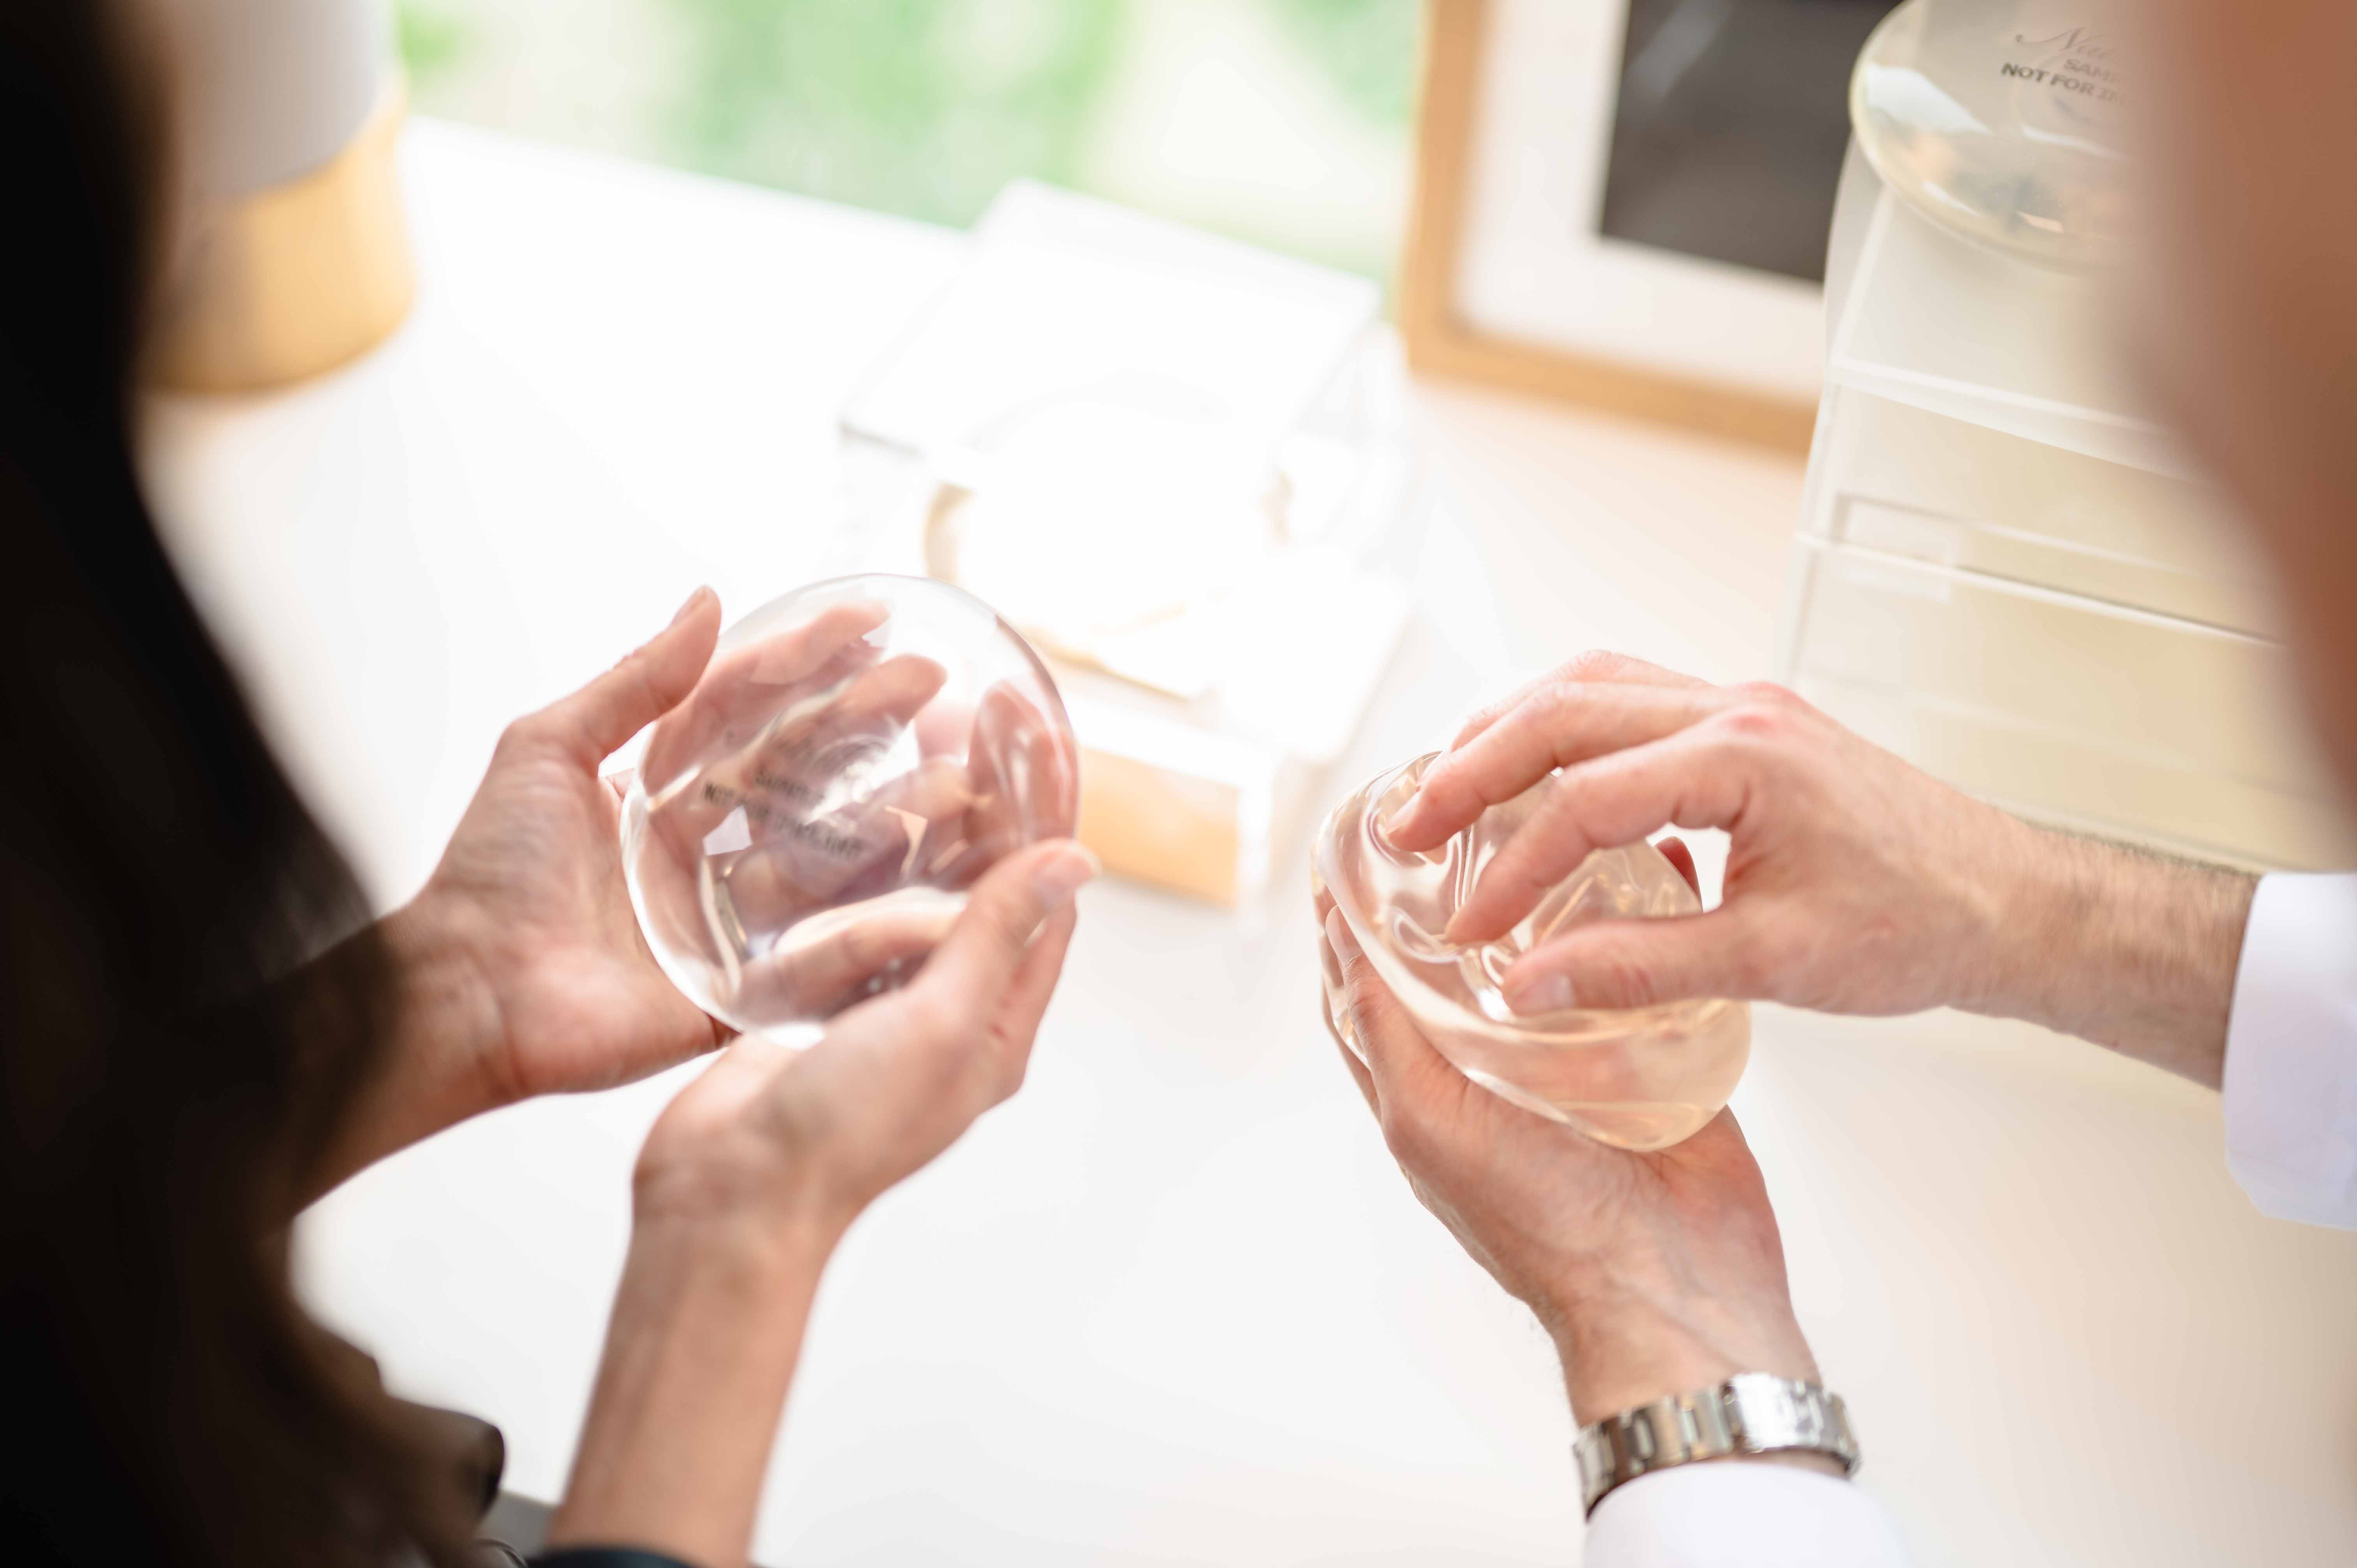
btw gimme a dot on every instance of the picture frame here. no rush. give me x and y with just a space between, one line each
1507 277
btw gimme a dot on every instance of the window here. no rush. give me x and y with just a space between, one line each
1281 121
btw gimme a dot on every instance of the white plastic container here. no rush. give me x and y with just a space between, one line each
2009 573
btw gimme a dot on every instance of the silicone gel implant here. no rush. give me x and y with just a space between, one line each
805 827
1642 1077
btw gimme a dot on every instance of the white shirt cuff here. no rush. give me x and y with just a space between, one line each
2291 1052
1738 1513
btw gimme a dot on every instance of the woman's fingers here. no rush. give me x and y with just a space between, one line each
1026 779
597 720
901 835
1690 780
776 858
976 1006
972 972
748 685
799 757
1019 777
817 978
1556 727
777 783
1027 998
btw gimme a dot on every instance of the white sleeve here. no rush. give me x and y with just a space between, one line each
2291 1052
1741 1515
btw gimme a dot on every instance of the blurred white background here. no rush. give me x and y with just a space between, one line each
1280 121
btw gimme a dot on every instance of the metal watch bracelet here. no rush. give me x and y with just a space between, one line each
1751 1412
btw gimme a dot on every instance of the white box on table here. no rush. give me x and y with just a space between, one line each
1201 736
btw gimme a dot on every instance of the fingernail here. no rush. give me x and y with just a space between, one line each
1064 874
1399 820
1551 994
688 609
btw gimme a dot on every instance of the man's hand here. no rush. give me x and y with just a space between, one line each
1655 1274
1854 883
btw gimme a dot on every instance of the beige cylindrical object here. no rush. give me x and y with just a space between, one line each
296 255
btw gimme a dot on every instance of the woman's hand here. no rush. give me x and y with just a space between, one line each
1854 883
746 1182
531 888
1655 1274
519 967
786 1136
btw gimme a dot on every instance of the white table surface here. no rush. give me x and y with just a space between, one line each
1174 1303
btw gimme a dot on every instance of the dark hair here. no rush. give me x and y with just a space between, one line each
169 1401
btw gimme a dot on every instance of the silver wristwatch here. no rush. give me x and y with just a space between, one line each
1751 1412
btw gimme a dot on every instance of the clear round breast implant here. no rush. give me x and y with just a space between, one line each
804 828
1637 1079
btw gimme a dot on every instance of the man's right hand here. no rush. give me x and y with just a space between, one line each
1854 883
1655 1274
